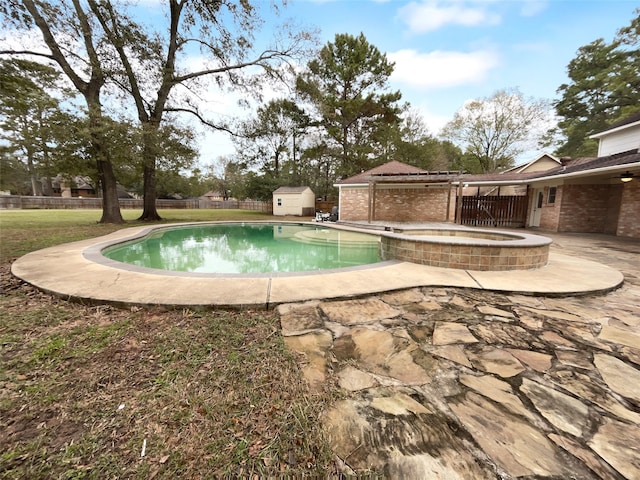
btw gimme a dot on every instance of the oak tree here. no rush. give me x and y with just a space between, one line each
154 62
74 43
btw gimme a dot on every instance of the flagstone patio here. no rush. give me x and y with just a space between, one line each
462 383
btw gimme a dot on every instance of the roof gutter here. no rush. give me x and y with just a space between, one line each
582 173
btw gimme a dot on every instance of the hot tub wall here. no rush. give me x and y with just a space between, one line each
467 257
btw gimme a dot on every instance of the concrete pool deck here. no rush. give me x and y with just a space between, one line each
68 271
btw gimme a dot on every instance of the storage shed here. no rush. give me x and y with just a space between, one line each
299 201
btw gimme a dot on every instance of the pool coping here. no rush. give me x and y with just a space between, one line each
68 271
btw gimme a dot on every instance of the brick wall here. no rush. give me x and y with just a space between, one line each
595 208
629 216
585 208
399 204
354 203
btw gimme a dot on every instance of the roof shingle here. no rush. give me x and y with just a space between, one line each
390 168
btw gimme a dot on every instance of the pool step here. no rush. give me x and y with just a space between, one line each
332 237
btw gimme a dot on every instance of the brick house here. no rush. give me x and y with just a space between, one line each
583 195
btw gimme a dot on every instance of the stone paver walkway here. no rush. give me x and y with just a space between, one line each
456 383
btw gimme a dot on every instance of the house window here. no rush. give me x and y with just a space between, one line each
279 202
551 198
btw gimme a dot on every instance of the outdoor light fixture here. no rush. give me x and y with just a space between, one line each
626 177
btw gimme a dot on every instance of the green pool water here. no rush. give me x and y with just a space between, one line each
248 248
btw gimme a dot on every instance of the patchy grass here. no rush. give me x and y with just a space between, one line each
85 389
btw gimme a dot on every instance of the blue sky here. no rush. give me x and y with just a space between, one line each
447 52
450 51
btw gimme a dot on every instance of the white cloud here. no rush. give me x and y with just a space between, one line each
430 15
435 122
441 69
531 8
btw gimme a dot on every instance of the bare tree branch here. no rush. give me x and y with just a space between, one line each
202 119
259 61
27 52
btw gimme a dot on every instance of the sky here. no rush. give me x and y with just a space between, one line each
449 51
446 52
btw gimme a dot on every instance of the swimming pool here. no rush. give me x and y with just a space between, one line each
230 248
80 271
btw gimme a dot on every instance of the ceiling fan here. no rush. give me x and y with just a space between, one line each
626 176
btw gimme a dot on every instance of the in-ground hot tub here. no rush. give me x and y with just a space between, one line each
466 248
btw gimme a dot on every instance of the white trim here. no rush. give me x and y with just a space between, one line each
614 130
394 185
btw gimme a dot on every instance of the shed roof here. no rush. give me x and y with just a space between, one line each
291 189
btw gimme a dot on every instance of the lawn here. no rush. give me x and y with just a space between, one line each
106 392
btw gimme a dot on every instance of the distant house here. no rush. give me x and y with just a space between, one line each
298 201
77 186
541 164
214 196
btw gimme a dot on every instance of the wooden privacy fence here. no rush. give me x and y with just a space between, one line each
495 211
25 202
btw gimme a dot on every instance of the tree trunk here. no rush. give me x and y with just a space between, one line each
346 168
149 212
36 186
149 137
47 186
110 204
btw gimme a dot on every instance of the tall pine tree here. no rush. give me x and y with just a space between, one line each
604 87
347 83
